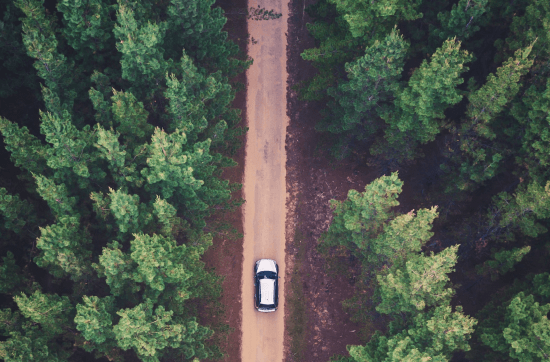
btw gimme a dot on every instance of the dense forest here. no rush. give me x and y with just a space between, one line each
456 95
117 122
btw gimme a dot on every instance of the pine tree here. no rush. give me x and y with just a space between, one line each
64 249
52 312
27 152
522 330
142 62
520 212
477 161
422 282
531 27
431 90
147 330
41 43
94 318
337 46
432 336
462 21
533 114
502 262
88 28
372 84
361 215
16 213
10 275
402 236
364 19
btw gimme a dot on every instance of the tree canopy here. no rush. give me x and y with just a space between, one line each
103 222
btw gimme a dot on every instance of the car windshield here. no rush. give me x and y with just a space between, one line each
267 274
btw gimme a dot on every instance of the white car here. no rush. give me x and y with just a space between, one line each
266 285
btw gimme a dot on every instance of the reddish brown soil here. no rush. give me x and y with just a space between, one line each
312 180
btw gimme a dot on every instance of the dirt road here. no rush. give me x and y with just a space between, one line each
264 179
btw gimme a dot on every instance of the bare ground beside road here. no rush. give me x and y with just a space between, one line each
312 180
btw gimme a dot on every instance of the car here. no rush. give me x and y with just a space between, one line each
266 285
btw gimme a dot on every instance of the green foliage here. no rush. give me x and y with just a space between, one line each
41 43
107 183
20 348
502 262
115 154
521 211
337 46
154 262
94 319
27 152
57 197
142 60
116 267
402 236
533 115
422 282
188 99
166 214
361 216
204 40
125 209
431 90
87 27
64 249
519 329
412 287
52 312
159 261
478 161
68 147
527 28
16 212
169 170
147 332
432 336
419 113
485 125
462 21
130 118
491 98
10 275
370 87
363 18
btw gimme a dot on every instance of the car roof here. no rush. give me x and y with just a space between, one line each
266 265
267 291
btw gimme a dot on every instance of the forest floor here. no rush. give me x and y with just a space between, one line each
316 325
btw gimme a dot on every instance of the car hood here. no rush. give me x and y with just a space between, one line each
266 265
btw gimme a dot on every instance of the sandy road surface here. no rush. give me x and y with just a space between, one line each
264 179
